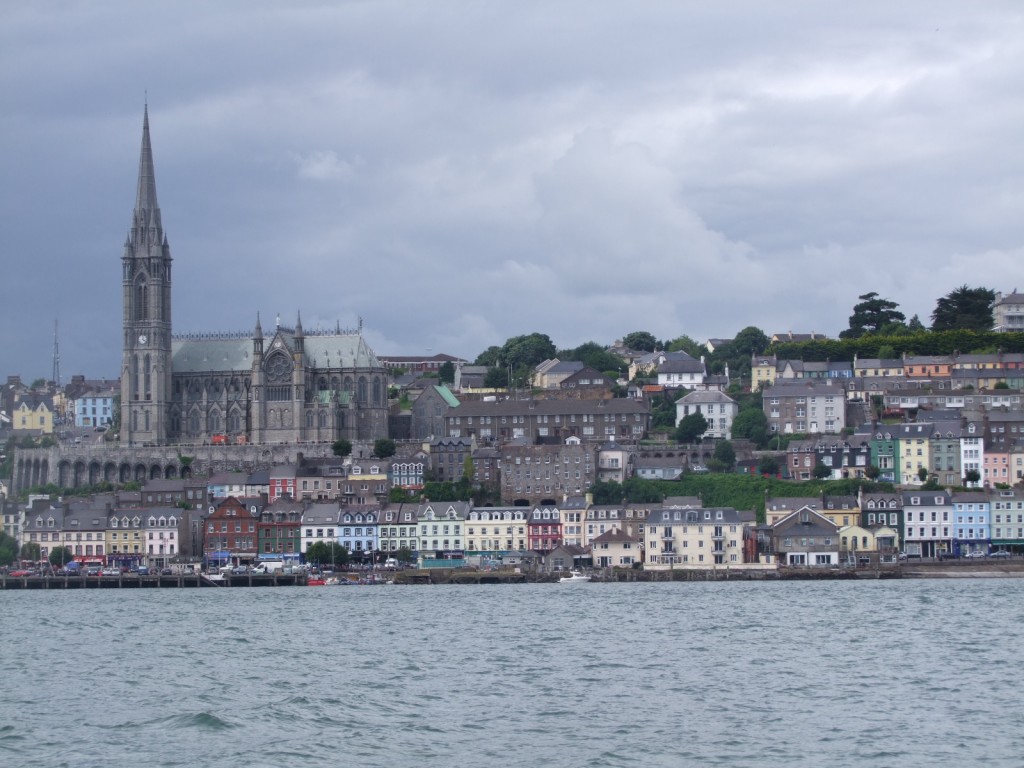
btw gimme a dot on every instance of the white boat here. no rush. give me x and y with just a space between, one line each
574 576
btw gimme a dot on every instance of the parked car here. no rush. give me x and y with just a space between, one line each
1002 554
111 571
93 570
975 554
143 570
166 572
22 572
240 569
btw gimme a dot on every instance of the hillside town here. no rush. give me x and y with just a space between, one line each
477 476
225 449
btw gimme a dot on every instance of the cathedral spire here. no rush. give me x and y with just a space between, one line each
147 210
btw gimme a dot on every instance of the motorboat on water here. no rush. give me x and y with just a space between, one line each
574 576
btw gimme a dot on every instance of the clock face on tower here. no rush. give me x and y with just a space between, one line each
143 339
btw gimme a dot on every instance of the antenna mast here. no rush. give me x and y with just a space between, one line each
56 357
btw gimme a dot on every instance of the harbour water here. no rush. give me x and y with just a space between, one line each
835 673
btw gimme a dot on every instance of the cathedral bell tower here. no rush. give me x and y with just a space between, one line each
146 280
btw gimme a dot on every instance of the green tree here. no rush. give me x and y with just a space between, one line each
446 373
597 357
496 378
342 447
489 357
725 453
8 549
750 424
405 555
61 556
663 411
964 309
640 341
914 325
749 342
922 473
384 448
872 472
821 471
972 476
691 428
607 492
30 551
326 553
38 384
871 314
1000 385
527 351
397 494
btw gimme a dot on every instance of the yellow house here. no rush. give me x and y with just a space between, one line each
34 415
762 371
859 546
695 538
615 549
494 530
914 450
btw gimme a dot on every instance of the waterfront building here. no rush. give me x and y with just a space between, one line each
841 510
124 533
806 537
398 528
572 513
928 528
231 532
544 528
860 546
615 548
442 532
320 521
279 531
1007 505
971 523
84 532
881 509
492 532
695 537
358 530
162 540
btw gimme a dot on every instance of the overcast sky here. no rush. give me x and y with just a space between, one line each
459 173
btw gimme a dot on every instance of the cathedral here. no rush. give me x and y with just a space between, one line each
288 386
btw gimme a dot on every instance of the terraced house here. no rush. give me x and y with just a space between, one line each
805 407
696 537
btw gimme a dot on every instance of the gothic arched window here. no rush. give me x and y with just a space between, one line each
141 299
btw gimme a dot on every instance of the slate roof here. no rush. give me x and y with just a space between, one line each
233 352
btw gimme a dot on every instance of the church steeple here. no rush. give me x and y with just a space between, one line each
146 281
146 225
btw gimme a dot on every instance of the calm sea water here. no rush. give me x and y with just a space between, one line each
912 673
